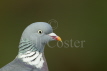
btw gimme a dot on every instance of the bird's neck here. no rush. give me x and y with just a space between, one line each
31 54
26 45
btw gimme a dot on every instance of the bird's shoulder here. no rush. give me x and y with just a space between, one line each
15 66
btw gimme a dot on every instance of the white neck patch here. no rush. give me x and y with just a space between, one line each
32 58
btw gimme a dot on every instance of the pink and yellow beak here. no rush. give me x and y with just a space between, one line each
58 38
54 36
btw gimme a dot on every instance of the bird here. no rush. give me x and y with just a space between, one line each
31 48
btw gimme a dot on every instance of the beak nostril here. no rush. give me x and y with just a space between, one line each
52 34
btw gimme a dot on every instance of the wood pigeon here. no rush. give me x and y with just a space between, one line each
31 48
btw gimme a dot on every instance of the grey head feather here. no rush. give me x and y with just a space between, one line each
30 36
31 32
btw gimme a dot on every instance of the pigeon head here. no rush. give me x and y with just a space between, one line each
40 32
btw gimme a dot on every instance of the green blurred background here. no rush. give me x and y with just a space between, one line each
77 20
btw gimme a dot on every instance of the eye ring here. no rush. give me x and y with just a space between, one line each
40 31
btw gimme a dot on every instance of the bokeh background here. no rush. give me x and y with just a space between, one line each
77 20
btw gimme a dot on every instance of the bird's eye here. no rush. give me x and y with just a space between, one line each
40 31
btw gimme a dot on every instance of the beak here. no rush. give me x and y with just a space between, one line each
55 37
58 38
